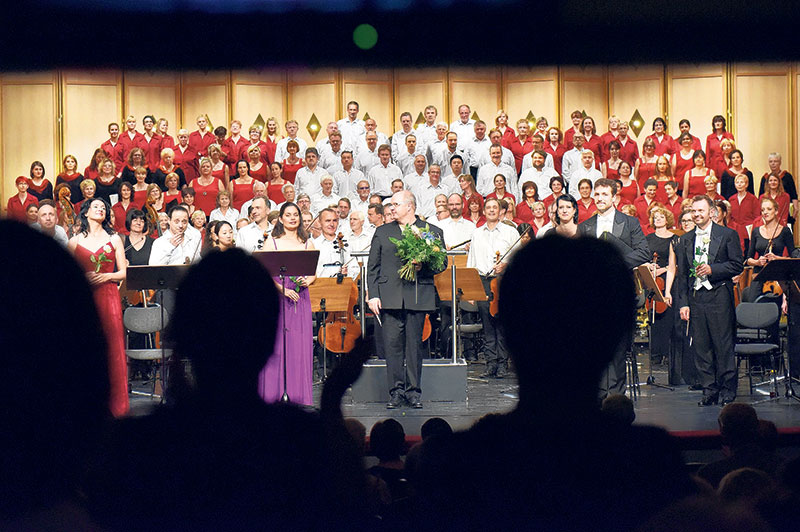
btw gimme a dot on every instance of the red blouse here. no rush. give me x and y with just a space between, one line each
629 151
206 196
629 192
260 174
681 167
557 153
520 150
664 146
584 212
646 171
17 210
241 194
697 185
290 170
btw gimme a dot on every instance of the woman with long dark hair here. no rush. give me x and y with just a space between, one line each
290 235
100 252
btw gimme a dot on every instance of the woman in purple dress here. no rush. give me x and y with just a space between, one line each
290 235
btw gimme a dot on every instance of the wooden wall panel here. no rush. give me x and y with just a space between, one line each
258 92
761 111
584 89
531 90
372 89
205 93
697 93
154 93
92 99
477 87
29 127
313 92
636 88
415 89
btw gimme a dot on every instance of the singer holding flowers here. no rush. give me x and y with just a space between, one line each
402 300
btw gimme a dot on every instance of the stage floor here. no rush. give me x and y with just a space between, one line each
673 410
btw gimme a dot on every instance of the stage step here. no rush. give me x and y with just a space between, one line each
441 381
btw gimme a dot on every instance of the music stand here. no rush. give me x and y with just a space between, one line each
283 264
784 270
654 295
329 295
459 283
156 278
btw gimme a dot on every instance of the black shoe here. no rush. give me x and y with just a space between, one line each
396 401
695 387
709 400
727 401
415 403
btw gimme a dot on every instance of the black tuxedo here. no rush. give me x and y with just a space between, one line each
403 307
711 312
628 238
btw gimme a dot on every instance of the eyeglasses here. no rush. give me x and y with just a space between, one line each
363 188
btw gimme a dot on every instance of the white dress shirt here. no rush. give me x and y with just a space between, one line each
487 173
330 260
570 162
358 243
380 178
320 201
485 245
433 147
456 231
165 254
346 183
280 149
330 161
251 237
592 174
307 180
351 130
605 222
357 204
507 157
425 193
527 161
271 206
366 160
426 135
231 216
405 161
475 148
702 241
361 143
413 179
541 178
442 158
59 235
399 142
451 183
464 131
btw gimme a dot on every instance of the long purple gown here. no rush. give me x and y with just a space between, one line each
299 352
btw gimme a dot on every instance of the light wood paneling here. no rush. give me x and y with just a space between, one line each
258 92
205 93
584 89
531 90
696 93
92 99
415 89
633 88
372 89
477 87
29 126
313 92
154 93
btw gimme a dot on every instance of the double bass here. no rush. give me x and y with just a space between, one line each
342 329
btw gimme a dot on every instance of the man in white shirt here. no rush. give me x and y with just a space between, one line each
464 126
370 125
455 170
343 210
330 160
375 216
331 260
304 202
308 178
487 240
442 157
571 160
325 197
358 238
259 191
405 159
346 178
291 132
254 236
476 146
367 156
399 138
360 200
177 245
381 176
496 139
419 173
47 222
427 191
426 132
351 127
586 171
538 174
487 173
538 144
324 144
438 143
456 228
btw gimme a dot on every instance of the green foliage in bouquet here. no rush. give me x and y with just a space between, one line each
419 246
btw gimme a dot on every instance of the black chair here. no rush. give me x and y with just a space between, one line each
762 318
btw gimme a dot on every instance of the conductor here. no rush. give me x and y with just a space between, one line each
401 304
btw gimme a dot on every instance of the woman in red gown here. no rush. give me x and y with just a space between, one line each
646 164
586 206
91 171
101 254
662 175
206 188
694 182
71 177
241 187
39 187
610 167
17 206
592 141
219 169
665 145
775 191
716 159
629 189
292 163
530 197
553 145
683 159
500 191
501 124
271 138
276 182
258 168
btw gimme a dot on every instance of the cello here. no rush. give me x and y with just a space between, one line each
660 306
342 329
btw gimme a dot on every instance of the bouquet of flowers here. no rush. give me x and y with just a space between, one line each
419 246
101 258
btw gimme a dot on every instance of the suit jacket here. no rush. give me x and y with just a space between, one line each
724 257
628 238
383 280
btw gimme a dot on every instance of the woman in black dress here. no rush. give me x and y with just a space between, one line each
662 243
769 241
137 244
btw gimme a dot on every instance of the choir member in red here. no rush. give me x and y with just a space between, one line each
501 124
271 137
106 183
39 187
130 139
540 217
166 139
151 143
292 163
167 167
136 159
554 147
32 213
713 148
468 191
644 202
206 187
610 167
775 192
219 168
508 210
91 171
683 159
774 162
721 215
541 128
608 136
474 211
258 169
220 133
241 187
577 119
276 182
628 149
727 181
112 147
586 205
140 187
726 146
255 140
172 193
155 197
646 164
530 197
710 183
200 139
70 175
188 196
665 145
674 202
684 126
233 146
500 191
591 139
744 205
557 189
521 145
694 179
123 207
17 206
662 175
185 159
89 189
628 188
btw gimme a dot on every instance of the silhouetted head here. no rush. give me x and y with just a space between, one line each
54 397
226 329
435 426
387 440
618 409
738 425
586 297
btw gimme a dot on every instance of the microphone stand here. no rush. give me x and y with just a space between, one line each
282 274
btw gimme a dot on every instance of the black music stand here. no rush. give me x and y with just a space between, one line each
784 270
157 278
283 264
654 295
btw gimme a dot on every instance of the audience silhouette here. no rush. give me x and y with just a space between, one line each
555 463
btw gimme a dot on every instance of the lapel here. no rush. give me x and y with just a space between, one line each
713 246
688 246
619 224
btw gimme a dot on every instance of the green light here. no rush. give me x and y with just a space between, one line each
365 36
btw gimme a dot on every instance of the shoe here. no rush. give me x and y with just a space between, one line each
709 400
396 401
727 401
695 387
488 374
415 403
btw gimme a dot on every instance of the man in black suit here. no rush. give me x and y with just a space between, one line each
625 233
708 257
402 305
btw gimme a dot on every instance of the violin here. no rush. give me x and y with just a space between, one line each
66 206
342 329
660 306
152 215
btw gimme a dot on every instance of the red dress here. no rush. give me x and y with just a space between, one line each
176 196
509 135
17 210
260 174
275 193
681 167
629 151
783 206
139 197
697 184
525 213
665 146
646 171
611 173
120 214
219 174
630 192
152 151
584 212
88 173
557 153
241 194
568 135
206 196
290 170
714 157
661 192
466 203
642 207
595 145
109 310
271 148
520 150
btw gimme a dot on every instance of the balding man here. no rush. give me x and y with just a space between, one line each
252 237
418 174
360 200
464 127
325 198
367 155
347 177
399 138
426 192
259 191
487 173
